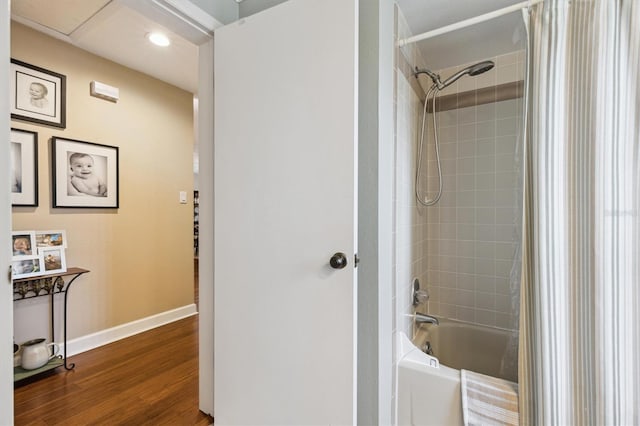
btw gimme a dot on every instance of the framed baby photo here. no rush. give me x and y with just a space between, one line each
37 95
24 168
85 174
23 244
53 260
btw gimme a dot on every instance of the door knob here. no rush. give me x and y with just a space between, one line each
338 261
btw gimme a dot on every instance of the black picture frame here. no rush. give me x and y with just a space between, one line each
37 95
24 168
85 174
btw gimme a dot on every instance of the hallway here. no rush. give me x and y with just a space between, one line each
149 378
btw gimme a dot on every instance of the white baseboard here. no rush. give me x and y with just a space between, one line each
100 338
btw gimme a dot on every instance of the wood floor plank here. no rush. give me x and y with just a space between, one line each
150 378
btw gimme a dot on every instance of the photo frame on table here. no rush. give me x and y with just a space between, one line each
53 259
23 245
37 253
25 261
51 239
37 95
85 174
24 268
24 167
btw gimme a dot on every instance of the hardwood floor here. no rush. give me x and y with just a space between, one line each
149 378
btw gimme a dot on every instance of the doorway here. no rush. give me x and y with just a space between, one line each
174 197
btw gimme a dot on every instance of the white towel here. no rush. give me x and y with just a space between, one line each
488 400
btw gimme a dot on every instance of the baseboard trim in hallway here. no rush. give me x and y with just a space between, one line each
109 335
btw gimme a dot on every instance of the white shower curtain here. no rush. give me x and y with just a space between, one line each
580 299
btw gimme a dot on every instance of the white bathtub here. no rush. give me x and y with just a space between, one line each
428 390
462 345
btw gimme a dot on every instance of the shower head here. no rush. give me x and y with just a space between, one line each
472 70
480 67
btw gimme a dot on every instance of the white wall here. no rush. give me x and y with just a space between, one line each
205 281
6 293
375 180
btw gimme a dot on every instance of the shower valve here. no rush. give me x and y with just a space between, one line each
419 296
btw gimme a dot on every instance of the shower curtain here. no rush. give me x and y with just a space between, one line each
580 298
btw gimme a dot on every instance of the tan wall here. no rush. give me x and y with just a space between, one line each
140 255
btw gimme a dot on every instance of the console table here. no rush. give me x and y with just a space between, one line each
47 285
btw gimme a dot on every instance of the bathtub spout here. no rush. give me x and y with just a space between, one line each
422 318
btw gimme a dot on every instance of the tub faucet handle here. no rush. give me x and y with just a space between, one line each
419 296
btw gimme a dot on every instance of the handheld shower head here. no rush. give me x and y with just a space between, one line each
480 67
472 70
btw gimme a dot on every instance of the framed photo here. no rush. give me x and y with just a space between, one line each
50 239
24 168
24 268
85 174
53 259
37 95
23 244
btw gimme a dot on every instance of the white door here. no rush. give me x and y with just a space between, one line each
284 181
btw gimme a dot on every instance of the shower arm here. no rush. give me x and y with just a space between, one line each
434 77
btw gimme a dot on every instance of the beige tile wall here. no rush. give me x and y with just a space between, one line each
472 233
409 221
463 248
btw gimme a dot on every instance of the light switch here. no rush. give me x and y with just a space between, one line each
183 197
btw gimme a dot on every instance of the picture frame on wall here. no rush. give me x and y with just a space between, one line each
24 167
85 174
37 95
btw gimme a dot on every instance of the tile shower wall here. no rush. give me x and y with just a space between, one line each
473 232
410 221
463 249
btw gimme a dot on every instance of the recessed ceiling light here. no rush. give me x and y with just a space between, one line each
159 39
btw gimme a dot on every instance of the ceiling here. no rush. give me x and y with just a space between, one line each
116 29
480 41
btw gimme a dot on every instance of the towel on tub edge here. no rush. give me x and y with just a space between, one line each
488 400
